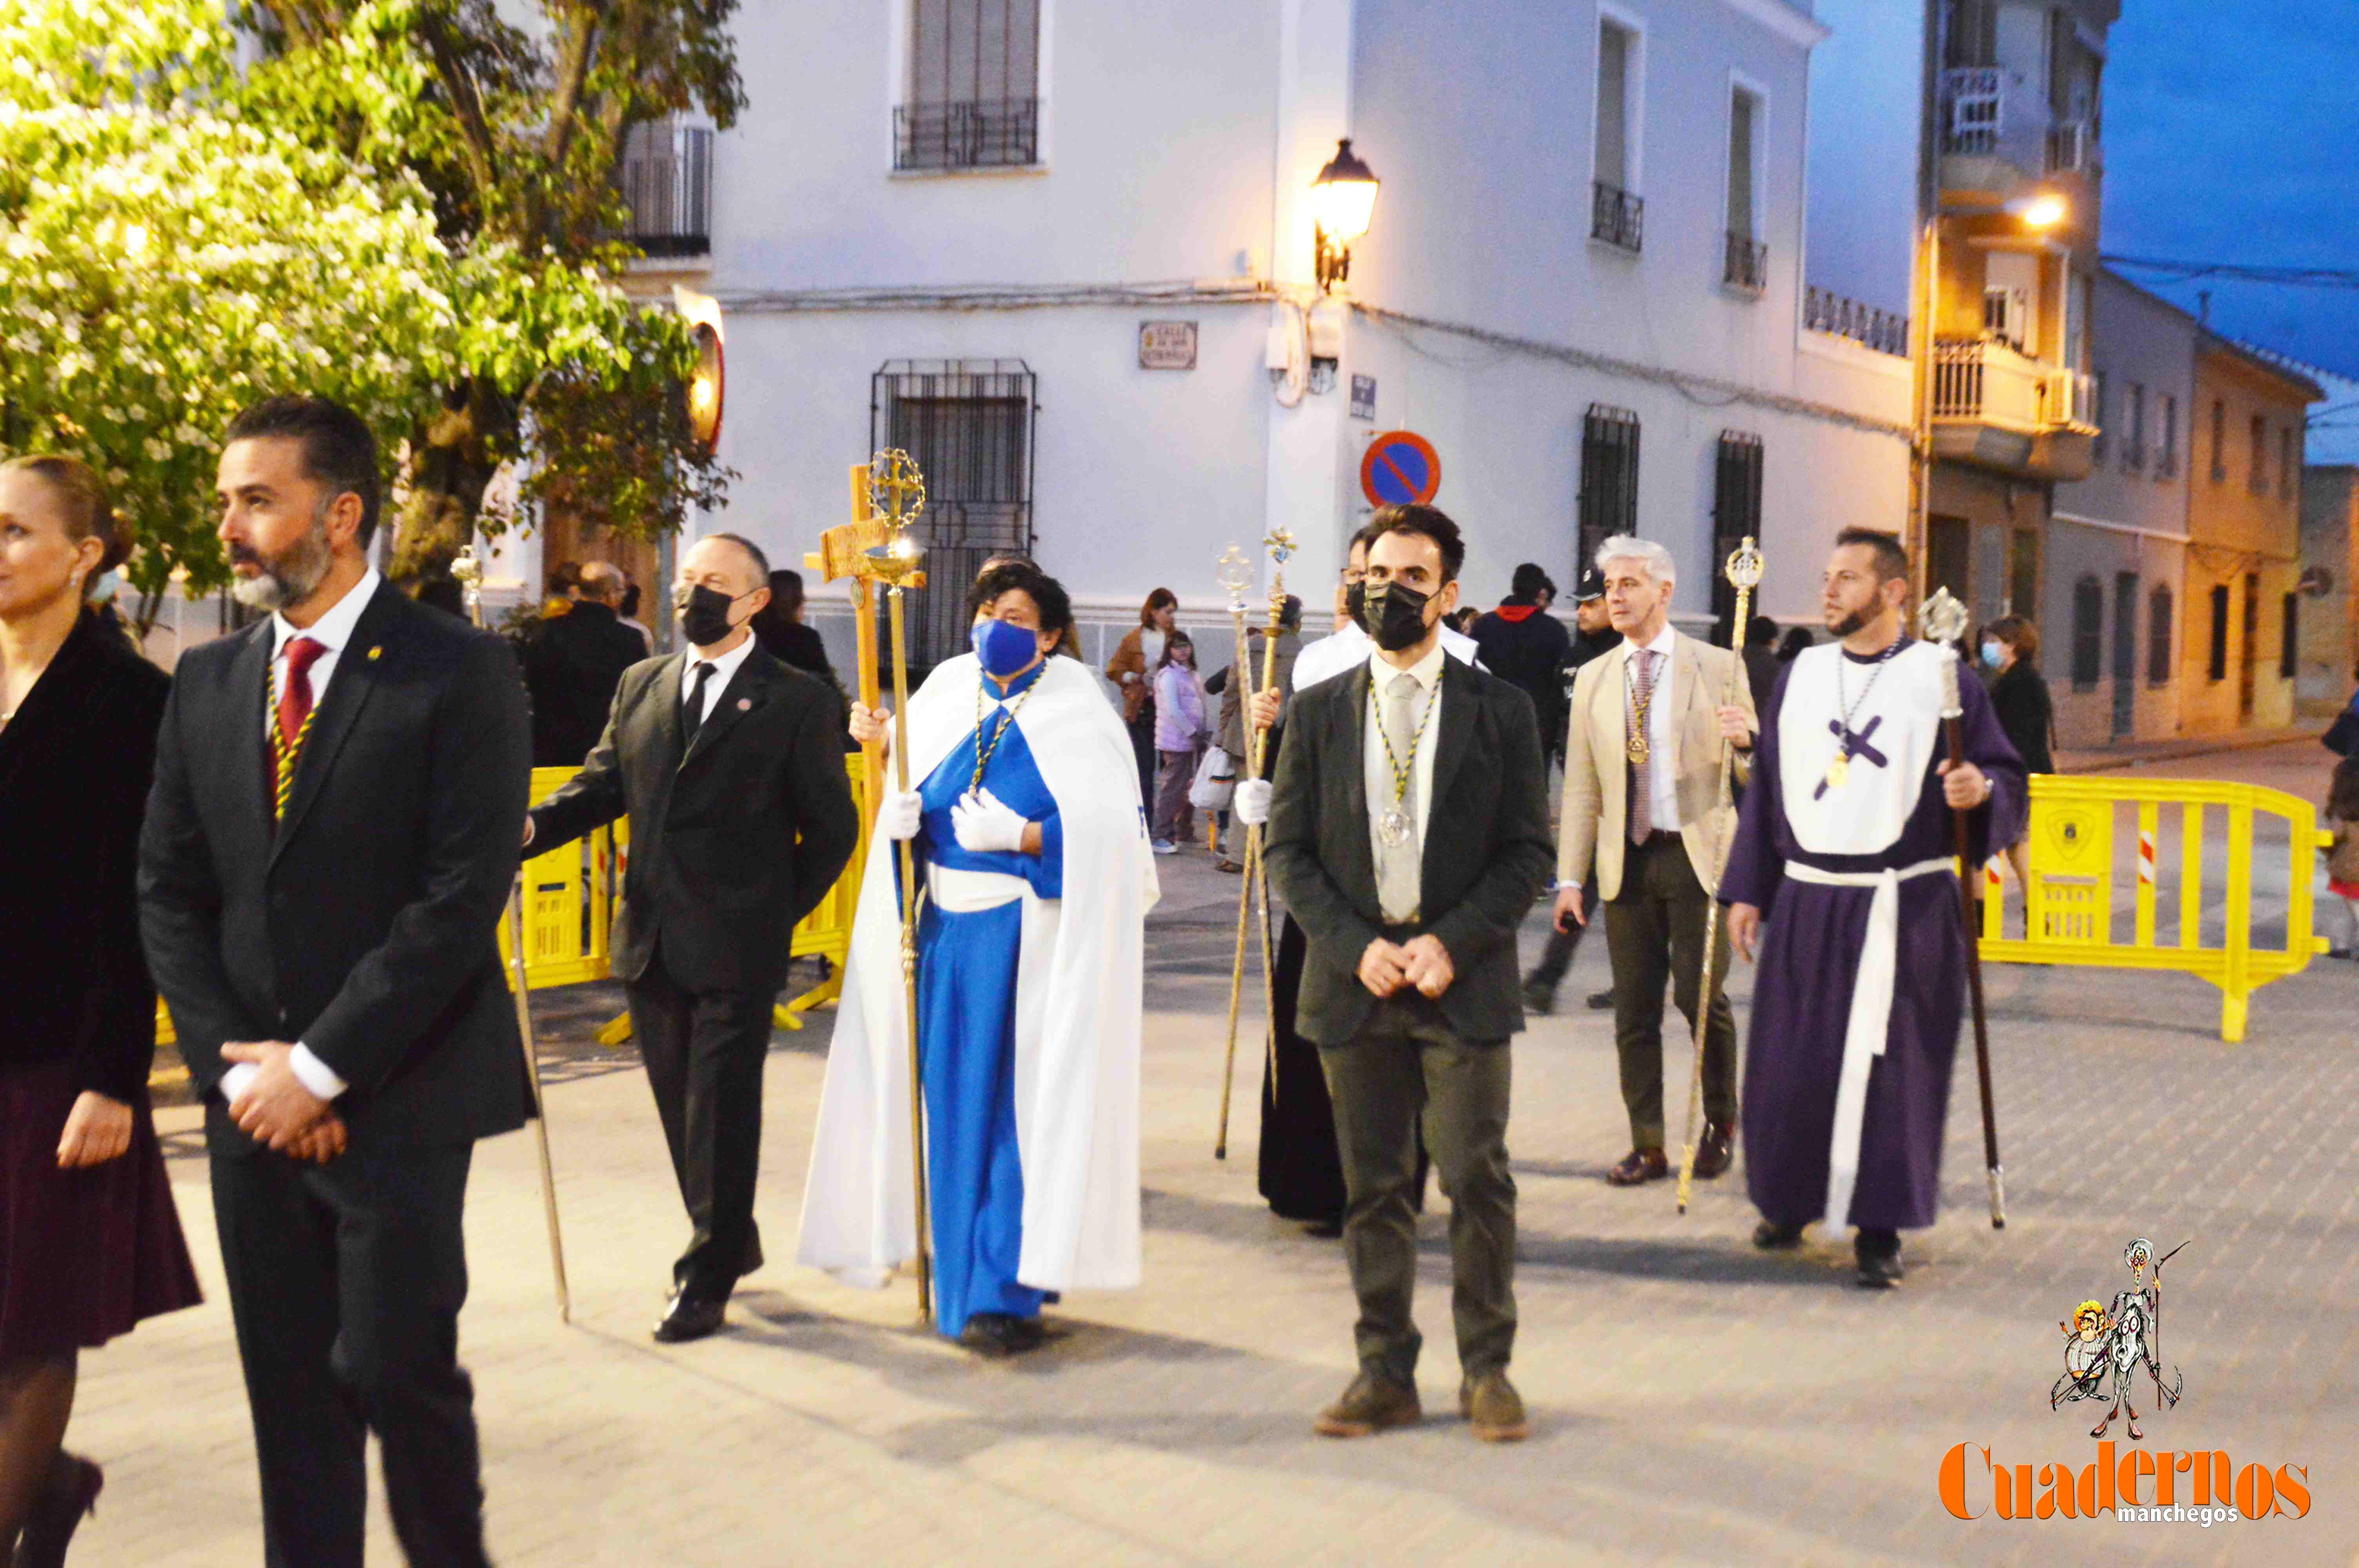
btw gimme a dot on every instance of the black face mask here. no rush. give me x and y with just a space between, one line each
1355 601
704 615
1394 614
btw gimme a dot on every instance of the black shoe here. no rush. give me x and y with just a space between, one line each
997 1334
1324 1229
69 1494
1879 1254
690 1317
1539 998
1601 1002
1772 1237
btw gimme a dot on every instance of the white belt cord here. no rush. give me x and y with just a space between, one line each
1870 1024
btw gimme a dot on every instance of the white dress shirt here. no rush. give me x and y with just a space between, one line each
332 630
1377 763
724 670
1341 651
1663 767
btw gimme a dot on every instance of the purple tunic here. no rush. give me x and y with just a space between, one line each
1812 937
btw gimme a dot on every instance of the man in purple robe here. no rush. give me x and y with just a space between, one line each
1842 875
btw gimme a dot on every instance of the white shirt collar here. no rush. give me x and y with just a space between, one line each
725 668
1660 647
334 629
1425 672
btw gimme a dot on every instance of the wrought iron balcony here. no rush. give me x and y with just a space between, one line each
1617 218
1003 133
667 185
1989 111
1998 408
1886 331
1747 264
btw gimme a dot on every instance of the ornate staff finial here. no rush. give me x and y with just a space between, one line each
468 572
1743 567
897 494
1942 619
1233 571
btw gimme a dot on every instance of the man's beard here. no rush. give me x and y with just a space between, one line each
290 578
1853 622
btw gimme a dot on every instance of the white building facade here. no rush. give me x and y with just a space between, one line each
966 227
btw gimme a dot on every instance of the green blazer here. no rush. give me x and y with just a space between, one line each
1487 849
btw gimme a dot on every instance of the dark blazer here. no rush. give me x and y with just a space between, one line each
731 845
363 927
1487 849
74 768
2026 714
1527 647
571 665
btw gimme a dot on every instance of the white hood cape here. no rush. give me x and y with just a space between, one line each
1078 1010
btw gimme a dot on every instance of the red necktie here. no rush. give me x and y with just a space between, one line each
295 695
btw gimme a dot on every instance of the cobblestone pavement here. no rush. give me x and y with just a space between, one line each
1696 1400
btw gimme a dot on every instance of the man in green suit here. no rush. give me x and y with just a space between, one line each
1408 835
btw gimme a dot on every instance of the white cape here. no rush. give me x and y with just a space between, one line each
1079 1011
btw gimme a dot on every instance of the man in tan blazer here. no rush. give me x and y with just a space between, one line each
1642 792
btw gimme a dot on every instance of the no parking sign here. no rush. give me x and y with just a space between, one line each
1400 469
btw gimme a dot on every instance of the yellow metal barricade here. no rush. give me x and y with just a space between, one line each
2069 917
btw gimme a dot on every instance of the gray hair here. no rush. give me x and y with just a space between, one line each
1630 548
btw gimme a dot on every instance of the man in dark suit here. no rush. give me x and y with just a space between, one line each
571 666
330 841
724 758
1408 835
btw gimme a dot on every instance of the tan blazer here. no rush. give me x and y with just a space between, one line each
1596 789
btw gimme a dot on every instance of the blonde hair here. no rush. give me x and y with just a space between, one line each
89 513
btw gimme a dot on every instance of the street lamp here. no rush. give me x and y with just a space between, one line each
1341 199
2040 210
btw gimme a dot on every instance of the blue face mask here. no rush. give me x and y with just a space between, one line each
1992 652
1004 648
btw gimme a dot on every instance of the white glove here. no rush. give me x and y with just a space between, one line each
898 815
987 825
1250 804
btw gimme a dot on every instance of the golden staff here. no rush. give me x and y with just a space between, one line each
1281 545
1236 574
897 492
1743 571
469 570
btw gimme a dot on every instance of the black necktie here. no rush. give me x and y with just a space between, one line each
691 718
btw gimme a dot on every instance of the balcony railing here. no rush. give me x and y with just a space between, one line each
1003 133
1984 381
1617 217
1747 265
666 180
1886 331
1988 111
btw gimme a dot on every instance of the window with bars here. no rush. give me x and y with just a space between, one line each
2218 442
2289 461
969 426
1736 510
2088 632
1609 478
2289 644
972 94
2260 443
666 175
2157 636
2134 408
1617 214
2166 462
2217 669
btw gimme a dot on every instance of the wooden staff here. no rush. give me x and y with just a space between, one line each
1944 620
469 571
1236 575
1743 571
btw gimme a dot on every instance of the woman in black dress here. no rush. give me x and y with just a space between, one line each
2019 694
90 1243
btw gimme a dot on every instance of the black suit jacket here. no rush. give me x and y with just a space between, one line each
1487 849
364 926
571 665
74 769
732 844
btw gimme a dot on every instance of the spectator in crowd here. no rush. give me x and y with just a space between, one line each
441 590
779 627
2010 650
2341 818
88 1240
572 667
1132 673
1761 665
628 610
1527 647
1180 733
1593 635
1792 645
564 588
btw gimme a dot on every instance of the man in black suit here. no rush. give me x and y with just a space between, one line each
330 841
572 665
1408 835
724 758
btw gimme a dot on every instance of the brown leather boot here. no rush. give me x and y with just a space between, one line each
1718 1148
1639 1166
1372 1404
1491 1403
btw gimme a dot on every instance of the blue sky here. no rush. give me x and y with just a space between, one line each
2231 133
